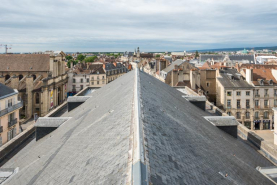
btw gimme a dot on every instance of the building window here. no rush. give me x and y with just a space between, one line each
256 115
275 92
37 98
238 115
92 83
266 103
10 102
103 77
81 80
81 87
247 104
11 133
73 87
98 82
74 80
247 93
266 92
265 115
257 92
103 81
208 84
228 103
247 115
87 80
97 77
229 113
275 103
256 103
238 104
238 93
229 93
92 78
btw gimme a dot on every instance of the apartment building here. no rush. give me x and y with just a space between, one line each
235 96
9 113
263 79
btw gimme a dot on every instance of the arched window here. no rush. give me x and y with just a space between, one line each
37 98
34 77
7 77
20 77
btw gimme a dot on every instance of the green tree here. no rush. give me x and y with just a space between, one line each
81 57
196 54
68 57
90 59
158 56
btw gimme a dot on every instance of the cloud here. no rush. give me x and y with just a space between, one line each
105 25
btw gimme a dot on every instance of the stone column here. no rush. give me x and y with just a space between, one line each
262 122
275 128
2 79
252 122
14 82
29 89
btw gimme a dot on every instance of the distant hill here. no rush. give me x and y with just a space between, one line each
236 49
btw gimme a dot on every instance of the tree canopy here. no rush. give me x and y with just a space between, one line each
81 57
196 54
90 59
68 57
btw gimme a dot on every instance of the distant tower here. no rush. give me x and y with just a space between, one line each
135 52
138 53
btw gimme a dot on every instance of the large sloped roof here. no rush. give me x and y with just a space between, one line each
96 145
24 62
5 91
171 66
235 81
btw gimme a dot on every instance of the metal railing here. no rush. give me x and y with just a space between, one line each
11 108
12 122
257 95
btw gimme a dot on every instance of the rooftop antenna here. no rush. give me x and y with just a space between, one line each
6 48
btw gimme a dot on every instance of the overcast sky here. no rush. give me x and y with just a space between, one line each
122 25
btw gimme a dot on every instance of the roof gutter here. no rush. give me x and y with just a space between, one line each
139 168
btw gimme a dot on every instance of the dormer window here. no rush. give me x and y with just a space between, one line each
261 82
270 82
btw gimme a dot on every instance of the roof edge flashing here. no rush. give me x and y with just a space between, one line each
139 168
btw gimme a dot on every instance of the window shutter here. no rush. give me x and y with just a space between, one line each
14 132
0 140
9 135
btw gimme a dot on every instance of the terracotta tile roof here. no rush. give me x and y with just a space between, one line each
264 74
24 62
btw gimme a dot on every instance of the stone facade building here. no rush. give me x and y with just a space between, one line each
9 113
40 79
93 75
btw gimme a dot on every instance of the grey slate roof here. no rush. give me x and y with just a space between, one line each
242 57
95 145
204 57
184 148
233 82
91 148
50 122
5 91
171 66
222 120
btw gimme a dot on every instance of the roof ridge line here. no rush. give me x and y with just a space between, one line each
139 168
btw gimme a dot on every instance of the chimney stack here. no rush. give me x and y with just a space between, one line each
249 75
